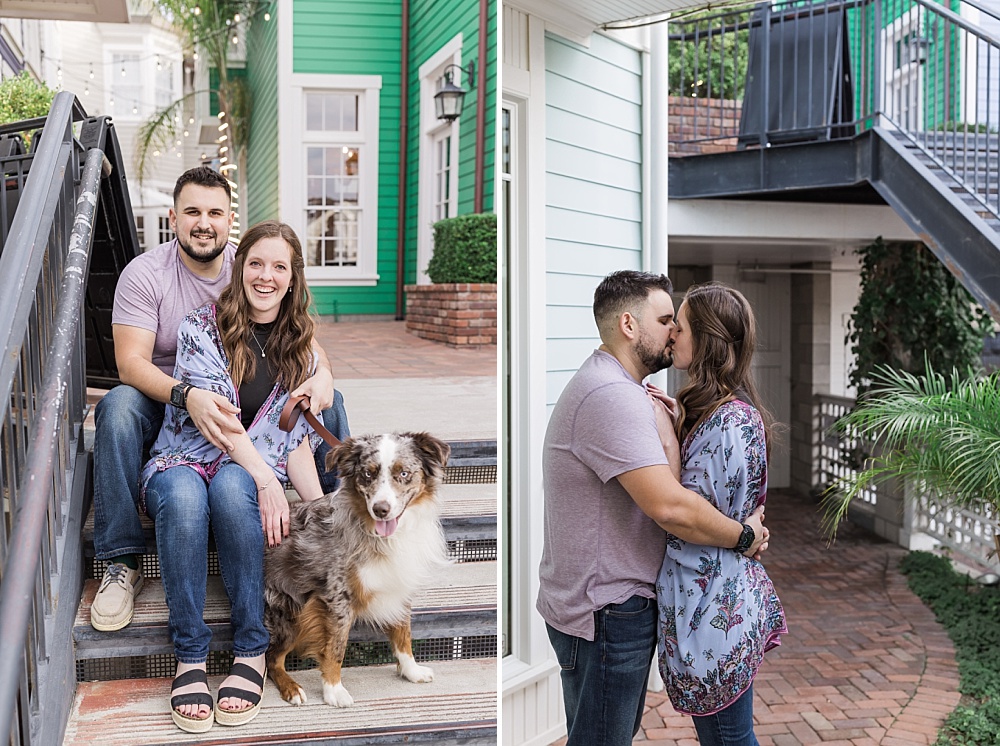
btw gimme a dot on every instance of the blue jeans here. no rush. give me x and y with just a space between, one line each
127 424
604 681
732 726
183 505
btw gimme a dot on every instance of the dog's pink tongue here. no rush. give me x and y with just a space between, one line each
386 528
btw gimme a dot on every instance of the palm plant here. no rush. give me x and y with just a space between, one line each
940 432
207 28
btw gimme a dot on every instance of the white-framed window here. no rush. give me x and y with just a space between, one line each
439 141
166 233
140 81
444 175
166 77
331 186
140 231
126 89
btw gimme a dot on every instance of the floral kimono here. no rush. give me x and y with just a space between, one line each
201 361
718 609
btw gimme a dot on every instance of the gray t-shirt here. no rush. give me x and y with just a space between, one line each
600 548
156 291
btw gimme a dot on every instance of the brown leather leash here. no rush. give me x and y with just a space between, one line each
300 405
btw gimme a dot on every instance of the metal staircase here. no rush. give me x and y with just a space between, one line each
850 101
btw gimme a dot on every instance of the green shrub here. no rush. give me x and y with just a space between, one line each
23 97
465 249
971 615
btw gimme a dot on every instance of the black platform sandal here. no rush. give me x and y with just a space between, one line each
240 717
185 723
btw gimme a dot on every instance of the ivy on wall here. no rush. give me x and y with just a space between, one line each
911 307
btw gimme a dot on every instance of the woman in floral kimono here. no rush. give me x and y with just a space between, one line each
718 609
253 347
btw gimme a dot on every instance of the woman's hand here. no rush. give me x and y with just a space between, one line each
668 436
662 396
273 510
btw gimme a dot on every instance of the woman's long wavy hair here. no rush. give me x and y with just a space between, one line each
290 343
723 340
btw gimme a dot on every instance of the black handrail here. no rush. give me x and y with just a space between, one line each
43 268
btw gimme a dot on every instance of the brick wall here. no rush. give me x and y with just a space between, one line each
702 125
459 315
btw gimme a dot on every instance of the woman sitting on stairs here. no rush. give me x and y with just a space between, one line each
253 347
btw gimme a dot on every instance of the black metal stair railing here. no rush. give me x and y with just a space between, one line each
792 71
49 201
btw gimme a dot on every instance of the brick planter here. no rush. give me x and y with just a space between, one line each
457 314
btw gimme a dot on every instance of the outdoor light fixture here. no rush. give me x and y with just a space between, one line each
449 98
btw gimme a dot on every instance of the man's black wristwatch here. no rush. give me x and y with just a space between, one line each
746 539
179 395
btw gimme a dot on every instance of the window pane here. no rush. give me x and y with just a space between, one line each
332 112
350 112
314 193
332 191
314 161
314 111
334 157
349 195
332 106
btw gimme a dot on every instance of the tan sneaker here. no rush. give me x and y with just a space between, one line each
112 607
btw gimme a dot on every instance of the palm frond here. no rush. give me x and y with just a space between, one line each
942 432
157 132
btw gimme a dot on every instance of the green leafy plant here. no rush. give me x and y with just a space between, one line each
971 615
23 97
911 308
709 60
465 249
941 432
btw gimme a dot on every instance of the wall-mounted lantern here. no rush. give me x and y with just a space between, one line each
450 97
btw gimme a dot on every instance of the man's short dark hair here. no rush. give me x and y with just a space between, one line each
625 290
202 176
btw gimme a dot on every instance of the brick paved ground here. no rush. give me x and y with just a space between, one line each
383 349
865 663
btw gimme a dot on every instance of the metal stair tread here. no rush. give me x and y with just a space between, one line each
464 588
462 699
460 505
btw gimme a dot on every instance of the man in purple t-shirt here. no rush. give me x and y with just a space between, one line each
154 293
611 465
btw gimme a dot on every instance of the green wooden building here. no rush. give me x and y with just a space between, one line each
334 132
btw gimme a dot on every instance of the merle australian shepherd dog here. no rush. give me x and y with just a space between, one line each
360 553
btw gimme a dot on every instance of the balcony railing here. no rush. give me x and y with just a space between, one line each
767 74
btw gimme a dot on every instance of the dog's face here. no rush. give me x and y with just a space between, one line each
390 472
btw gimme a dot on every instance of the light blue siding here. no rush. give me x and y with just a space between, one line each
593 213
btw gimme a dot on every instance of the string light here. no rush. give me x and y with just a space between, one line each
197 10
236 18
267 16
236 39
91 70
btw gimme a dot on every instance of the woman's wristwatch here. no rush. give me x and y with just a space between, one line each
746 539
179 395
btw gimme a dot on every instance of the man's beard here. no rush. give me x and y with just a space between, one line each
206 258
653 359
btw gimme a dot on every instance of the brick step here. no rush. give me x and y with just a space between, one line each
468 517
458 707
462 603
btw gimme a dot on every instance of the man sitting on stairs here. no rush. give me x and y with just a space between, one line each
154 293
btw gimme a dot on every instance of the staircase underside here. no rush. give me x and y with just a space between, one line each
876 166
